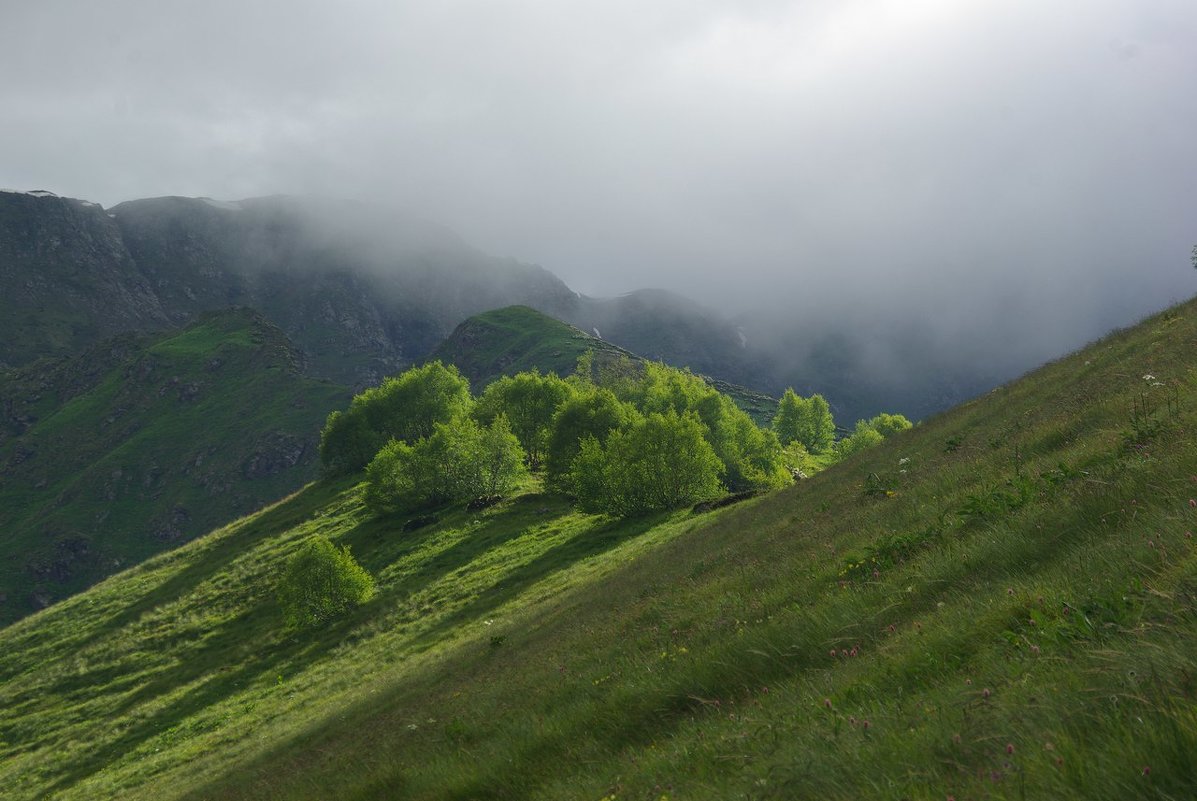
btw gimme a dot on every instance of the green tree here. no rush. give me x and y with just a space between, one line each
805 420
405 408
529 400
460 460
321 582
751 457
887 424
591 412
347 442
660 461
499 459
864 436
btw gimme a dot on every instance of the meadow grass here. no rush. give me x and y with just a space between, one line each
164 430
998 603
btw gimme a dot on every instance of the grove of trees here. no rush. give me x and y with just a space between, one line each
622 439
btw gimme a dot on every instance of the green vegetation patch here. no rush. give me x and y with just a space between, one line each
144 442
858 635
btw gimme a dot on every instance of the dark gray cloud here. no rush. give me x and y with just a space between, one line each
1022 171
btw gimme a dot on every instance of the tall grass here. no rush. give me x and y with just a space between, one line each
1010 616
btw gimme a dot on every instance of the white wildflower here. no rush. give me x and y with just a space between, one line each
1149 377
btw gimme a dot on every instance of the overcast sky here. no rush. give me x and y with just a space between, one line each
979 159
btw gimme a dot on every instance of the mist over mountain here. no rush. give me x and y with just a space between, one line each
364 293
987 184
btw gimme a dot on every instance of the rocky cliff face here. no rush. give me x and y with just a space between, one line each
66 278
360 293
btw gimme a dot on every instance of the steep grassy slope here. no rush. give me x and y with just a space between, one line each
998 603
517 338
141 443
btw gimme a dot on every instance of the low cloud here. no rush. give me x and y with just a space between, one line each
1015 176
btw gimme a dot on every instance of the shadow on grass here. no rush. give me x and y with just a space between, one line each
382 542
201 567
285 515
256 634
588 543
251 648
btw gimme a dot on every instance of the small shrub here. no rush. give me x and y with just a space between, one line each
320 583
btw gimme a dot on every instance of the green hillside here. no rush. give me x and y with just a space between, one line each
141 443
998 603
518 338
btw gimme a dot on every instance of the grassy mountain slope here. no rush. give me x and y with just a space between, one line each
517 338
141 443
999 603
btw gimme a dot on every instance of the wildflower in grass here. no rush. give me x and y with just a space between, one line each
833 652
827 703
864 724
1009 748
986 693
1146 770
1193 502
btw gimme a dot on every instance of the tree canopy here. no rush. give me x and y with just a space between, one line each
404 408
889 424
458 461
590 412
659 461
321 582
529 400
805 420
